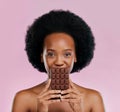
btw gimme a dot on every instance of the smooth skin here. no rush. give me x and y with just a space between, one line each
59 52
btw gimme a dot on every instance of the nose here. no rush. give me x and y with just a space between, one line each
59 61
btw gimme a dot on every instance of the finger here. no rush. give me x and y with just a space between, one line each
48 93
72 84
71 100
47 85
47 102
72 96
66 91
54 91
77 92
53 101
53 96
69 91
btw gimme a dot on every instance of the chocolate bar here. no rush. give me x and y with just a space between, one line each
59 78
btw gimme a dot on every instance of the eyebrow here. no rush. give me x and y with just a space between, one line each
54 49
68 50
50 50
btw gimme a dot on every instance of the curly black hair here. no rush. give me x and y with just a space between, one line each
64 22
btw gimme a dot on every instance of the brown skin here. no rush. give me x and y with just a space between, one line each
59 51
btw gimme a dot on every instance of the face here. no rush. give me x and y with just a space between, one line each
58 51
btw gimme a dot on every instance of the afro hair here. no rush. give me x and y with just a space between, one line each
65 22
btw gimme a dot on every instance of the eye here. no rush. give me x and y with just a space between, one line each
50 54
67 54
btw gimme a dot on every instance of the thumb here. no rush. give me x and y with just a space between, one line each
47 84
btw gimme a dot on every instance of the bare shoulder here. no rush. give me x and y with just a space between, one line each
29 93
24 95
25 100
93 98
96 100
91 93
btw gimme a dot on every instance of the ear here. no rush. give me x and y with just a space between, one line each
41 57
75 60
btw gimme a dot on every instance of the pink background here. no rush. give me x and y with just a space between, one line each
102 74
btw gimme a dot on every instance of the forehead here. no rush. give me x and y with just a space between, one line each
59 40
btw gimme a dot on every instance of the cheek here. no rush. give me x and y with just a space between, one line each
49 62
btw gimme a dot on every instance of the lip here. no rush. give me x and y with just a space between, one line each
59 67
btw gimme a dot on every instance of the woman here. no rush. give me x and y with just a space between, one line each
59 39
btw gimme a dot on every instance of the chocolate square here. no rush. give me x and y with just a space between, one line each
59 78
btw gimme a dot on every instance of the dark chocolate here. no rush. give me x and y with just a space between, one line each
59 78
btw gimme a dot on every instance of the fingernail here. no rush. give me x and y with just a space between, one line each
62 92
59 91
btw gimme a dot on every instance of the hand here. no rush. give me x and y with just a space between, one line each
44 98
74 97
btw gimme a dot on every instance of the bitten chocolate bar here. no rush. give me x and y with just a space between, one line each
59 78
